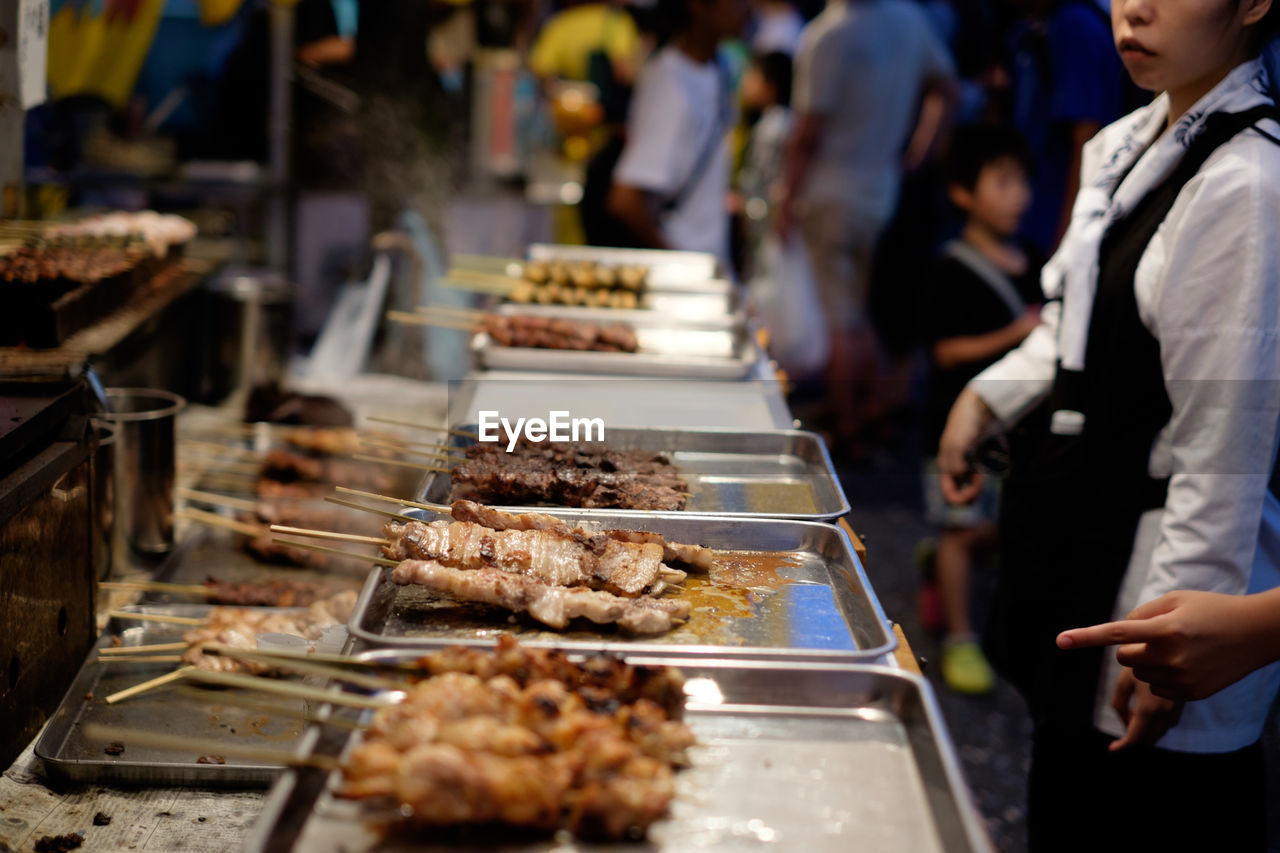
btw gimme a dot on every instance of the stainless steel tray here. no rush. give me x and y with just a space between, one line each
746 473
665 350
69 757
818 605
789 756
668 270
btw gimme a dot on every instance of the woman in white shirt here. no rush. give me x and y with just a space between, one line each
1147 418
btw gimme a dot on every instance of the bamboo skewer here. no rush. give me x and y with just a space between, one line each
440 323
240 430
153 683
391 442
351 505
162 740
400 462
125 651
288 688
302 665
229 482
209 464
214 520
140 659
215 447
429 454
156 586
495 280
156 617
218 500
442 508
446 310
307 546
204 694
394 422
329 534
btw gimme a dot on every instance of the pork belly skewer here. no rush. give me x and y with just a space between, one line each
623 568
552 605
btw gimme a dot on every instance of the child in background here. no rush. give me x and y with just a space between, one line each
766 97
981 301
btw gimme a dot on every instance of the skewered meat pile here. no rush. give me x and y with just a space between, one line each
555 333
269 593
580 283
571 475
273 404
239 627
287 473
536 564
292 514
333 441
159 232
531 740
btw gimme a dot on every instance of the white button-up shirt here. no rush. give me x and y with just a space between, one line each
1208 288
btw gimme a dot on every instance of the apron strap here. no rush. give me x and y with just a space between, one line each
995 279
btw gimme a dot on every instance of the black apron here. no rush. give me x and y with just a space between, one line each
1072 502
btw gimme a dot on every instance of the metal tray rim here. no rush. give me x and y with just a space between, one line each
170 773
424 485
970 819
374 581
645 365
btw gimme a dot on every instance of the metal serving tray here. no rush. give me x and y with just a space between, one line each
815 603
739 473
665 350
69 757
792 757
668 270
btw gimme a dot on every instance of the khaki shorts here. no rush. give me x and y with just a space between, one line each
985 509
841 243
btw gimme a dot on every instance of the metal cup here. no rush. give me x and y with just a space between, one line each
104 506
144 420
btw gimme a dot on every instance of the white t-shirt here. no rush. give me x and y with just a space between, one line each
862 65
777 30
674 113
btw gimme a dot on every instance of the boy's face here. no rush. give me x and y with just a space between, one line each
999 197
756 92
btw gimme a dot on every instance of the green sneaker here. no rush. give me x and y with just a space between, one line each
965 668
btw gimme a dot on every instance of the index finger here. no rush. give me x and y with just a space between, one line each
1111 634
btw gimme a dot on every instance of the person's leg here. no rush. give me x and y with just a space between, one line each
964 666
829 261
953 565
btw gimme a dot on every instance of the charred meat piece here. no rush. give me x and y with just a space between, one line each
527 738
551 605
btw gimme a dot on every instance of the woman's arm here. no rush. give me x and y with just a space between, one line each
1216 311
1189 645
966 349
1004 392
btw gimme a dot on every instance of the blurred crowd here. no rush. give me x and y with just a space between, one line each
886 177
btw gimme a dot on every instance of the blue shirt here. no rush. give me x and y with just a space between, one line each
1066 70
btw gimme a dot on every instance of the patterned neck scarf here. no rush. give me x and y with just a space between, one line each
1120 183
